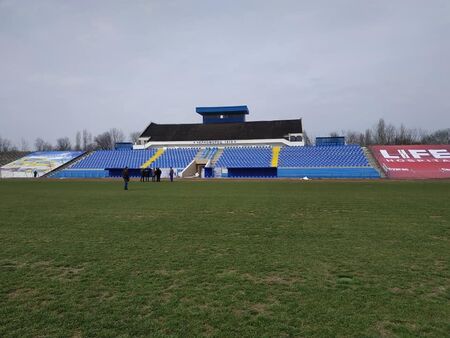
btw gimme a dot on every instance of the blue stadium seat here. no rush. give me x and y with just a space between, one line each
245 157
177 158
322 156
102 159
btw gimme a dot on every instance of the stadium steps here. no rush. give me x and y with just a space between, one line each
200 158
190 170
275 156
68 164
153 158
216 157
373 162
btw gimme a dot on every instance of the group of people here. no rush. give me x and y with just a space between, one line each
155 174
146 173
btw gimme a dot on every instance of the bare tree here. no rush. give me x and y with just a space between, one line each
6 145
104 141
78 141
379 132
361 139
134 136
438 137
41 145
391 134
407 136
384 133
368 138
416 136
116 135
47 146
353 137
63 143
24 146
87 140
109 138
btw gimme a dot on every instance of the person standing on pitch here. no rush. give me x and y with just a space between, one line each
142 174
158 175
126 178
150 174
154 175
171 172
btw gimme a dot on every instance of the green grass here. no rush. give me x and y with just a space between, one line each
224 258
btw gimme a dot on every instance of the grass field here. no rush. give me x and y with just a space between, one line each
264 259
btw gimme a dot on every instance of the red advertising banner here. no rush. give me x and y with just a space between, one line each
410 162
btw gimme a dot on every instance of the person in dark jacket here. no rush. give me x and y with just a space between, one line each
158 174
142 175
171 173
149 174
153 171
126 177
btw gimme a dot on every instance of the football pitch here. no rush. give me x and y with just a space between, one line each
224 258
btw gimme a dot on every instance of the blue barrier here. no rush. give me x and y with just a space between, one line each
328 172
81 173
252 172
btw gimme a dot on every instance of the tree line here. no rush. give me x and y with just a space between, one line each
84 140
381 133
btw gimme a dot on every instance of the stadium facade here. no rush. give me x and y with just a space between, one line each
225 145
223 126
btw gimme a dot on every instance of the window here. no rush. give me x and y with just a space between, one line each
295 138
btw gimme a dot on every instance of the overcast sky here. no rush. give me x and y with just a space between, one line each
338 64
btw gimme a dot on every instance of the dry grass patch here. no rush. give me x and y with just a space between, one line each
21 293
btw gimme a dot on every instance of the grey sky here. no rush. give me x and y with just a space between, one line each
339 64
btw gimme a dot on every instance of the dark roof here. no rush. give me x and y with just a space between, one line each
222 110
222 131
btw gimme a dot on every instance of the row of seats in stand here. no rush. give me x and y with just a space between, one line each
323 156
175 157
232 157
245 157
303 157
102 159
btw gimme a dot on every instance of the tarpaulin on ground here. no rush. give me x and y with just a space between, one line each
414 161
41 161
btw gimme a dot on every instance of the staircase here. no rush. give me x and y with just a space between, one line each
275 156
216 157
153 158
373 162
201 157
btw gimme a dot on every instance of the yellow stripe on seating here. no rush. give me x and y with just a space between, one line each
153 158
275 155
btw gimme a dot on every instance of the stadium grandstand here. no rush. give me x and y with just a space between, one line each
225 145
